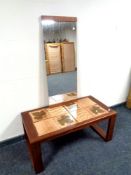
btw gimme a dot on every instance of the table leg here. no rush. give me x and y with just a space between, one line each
110 128
107 136
35 155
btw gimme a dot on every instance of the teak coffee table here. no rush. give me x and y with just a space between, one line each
60 119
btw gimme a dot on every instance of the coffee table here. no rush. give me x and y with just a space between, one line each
56 120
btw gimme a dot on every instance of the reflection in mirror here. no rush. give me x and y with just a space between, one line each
59 43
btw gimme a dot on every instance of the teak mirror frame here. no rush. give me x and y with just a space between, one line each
59 18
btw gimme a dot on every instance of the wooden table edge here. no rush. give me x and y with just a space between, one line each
32 133
66 130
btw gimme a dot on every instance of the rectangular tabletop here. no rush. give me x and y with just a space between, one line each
55 120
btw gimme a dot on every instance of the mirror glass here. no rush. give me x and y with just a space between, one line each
59 44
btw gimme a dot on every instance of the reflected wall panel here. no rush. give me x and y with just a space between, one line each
53 57
68 56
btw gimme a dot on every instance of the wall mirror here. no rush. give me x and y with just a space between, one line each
59 44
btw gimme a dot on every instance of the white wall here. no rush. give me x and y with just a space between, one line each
104 54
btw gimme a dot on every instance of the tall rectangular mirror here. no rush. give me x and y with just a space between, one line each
59 44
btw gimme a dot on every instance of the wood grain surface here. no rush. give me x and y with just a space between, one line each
61 117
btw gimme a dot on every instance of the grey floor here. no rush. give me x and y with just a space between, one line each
80 153
62 82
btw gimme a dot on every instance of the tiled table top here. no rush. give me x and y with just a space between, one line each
51 119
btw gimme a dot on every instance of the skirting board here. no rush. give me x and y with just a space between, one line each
11 141
21 137
117 105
